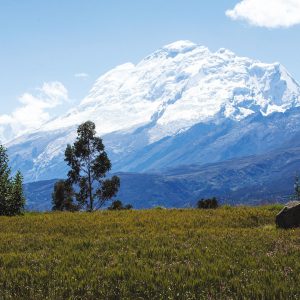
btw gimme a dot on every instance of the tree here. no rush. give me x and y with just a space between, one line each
89 164
5 183
12 200
62 197
208 203
17 199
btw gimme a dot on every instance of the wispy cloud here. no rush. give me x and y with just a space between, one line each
81 75
267 13
33 111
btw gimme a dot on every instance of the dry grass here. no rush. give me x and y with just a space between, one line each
229 253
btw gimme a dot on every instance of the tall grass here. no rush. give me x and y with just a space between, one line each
228 253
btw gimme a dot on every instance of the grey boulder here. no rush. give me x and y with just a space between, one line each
289 216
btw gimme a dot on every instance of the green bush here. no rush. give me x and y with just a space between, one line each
118 205
208 203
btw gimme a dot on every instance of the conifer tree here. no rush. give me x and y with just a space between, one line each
16 198
5 184
12 200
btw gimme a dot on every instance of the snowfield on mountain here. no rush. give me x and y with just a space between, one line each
182 97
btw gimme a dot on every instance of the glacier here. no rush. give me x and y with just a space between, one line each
181 104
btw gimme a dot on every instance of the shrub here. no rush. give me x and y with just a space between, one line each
208 203
118 205
159 207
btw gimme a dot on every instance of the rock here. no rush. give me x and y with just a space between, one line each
289 217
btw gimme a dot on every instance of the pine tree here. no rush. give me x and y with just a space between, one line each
5 184
12 200
89 164
17 199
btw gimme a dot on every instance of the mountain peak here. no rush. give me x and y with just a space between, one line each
166 94
225 51
180 46
180 85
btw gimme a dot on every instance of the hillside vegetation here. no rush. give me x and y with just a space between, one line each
228 253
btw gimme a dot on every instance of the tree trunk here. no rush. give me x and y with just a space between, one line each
91 193
90 182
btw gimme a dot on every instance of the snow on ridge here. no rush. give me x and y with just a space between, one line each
166 93
180 85
180 46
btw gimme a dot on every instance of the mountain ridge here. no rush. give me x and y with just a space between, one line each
252 180
161 100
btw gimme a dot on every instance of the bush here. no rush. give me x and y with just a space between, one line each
159 207
118 205
208 203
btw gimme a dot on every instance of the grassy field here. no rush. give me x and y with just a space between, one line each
229 253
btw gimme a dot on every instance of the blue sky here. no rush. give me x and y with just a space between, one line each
51 41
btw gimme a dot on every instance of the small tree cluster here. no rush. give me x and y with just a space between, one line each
12 200
208 203
86 186
118 205
63 197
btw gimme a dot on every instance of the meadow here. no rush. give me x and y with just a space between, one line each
227 253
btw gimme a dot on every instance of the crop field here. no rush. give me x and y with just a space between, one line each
228 253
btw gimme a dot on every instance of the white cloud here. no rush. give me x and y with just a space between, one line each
267 13
81 75
33 111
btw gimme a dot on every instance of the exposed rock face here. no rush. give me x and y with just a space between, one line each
289 217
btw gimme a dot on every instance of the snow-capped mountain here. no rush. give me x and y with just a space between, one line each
183 103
